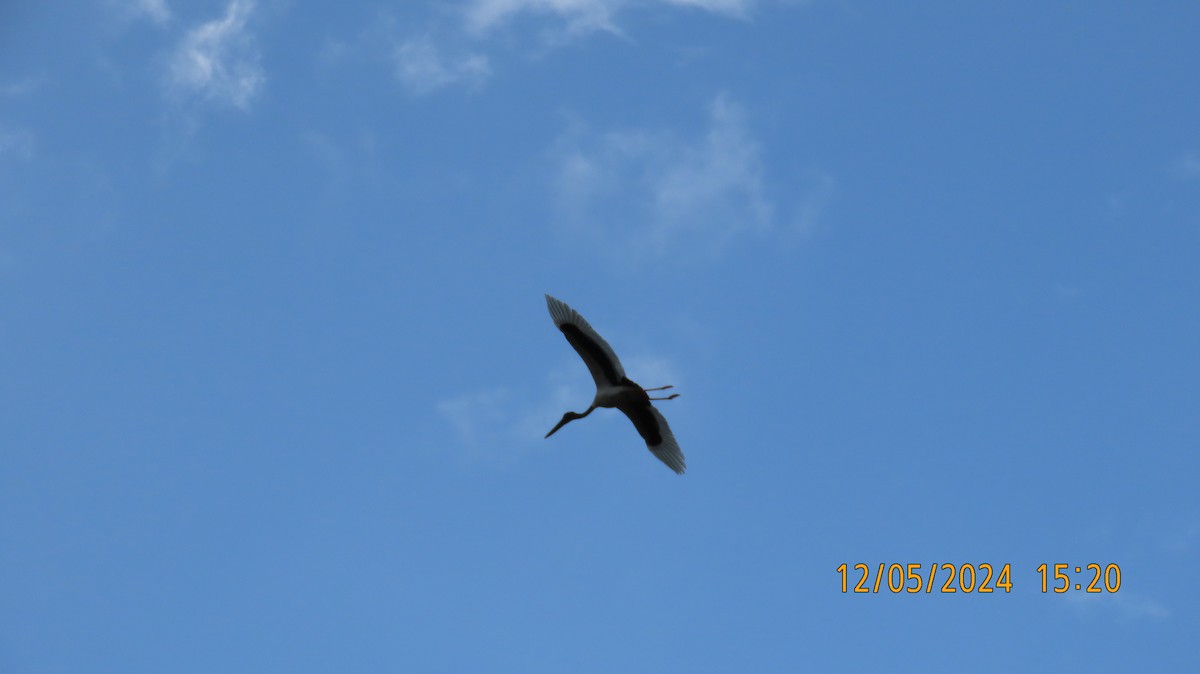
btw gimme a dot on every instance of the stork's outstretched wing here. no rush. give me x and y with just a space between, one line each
653 428
596 353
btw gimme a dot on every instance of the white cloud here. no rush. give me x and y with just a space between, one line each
477 417
453 49
730 7
155 10
218 60
1125 604
649 192
494 424
1064 291
722 175
501 423
1184 538
421 67
422 62
815 196
20 88
347 160
1188 167
1138 606
579 16
16 143
583 16
653 372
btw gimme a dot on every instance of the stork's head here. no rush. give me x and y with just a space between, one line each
569 416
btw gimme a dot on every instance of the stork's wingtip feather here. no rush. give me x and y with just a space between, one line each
560 312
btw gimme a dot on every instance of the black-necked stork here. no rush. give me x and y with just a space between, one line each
613 388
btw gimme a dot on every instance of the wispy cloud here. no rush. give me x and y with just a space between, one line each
422 68
815 192
498 424
21 88
689 196
423 62
729 7
1178 532
218 60
15 143
579 17
347 160
478 417
653 371
453 47
502 423
1065 291
1124 604
1187 166
154 10
1138 606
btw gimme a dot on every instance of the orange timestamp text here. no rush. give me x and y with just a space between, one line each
974 578
917 577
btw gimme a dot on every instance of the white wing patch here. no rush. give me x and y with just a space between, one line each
561 313
668 450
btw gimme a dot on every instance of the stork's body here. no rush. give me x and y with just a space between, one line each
613 388
613 396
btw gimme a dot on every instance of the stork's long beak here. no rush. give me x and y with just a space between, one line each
566 417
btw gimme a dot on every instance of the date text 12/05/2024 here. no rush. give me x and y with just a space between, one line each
975 578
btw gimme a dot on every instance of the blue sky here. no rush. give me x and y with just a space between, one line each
275 363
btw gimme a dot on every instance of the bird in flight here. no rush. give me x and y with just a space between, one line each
613 388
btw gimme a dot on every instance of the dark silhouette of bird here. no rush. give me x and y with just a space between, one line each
614 389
